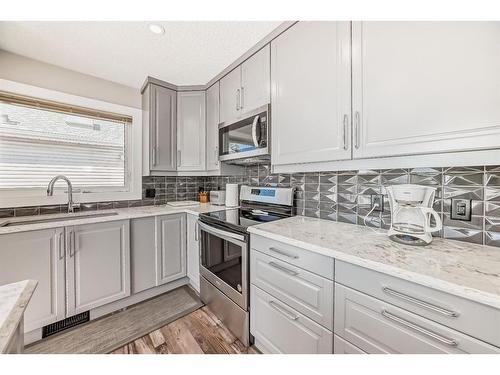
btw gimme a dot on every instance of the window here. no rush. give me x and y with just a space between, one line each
37 144
87 140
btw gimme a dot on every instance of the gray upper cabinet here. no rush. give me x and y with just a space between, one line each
212 145
230 92
160 130
37 255
191 128
256 80
98 259
247 87
311 91
425 87
171 248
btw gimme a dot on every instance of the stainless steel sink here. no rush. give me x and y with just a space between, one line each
75 216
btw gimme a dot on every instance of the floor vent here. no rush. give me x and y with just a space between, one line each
61 325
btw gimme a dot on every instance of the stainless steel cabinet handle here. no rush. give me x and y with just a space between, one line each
238 98
419 329
153 151
420 303
282 252
178 158
196 231
357 137
345 123
283 311
71 243
216 155
61 246
242 98
283 269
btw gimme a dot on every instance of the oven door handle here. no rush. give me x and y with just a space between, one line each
221 233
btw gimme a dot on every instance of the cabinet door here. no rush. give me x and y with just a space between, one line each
377 327
213 127
425 87
37 255
142 254
163 129
256 80
310 97
230 95
193 251
98 264
171 248
278 328
191 131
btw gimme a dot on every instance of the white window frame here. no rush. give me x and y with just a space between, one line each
133 154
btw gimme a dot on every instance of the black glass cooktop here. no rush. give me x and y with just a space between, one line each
241 218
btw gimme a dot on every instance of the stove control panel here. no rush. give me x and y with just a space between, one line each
263 192
274 195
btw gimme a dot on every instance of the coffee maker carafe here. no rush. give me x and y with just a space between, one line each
411 212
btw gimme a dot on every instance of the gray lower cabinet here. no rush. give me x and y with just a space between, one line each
277 328
98 264
37 255
171 248
305 291
158 250
143 253
375 326
193 251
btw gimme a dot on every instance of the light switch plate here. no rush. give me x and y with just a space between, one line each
461 209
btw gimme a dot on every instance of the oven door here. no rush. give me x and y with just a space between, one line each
224 262
245 138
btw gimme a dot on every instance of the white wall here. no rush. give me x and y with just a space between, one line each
36 73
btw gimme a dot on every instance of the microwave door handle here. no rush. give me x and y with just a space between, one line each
254 131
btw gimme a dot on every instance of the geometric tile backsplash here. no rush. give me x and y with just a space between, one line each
343 196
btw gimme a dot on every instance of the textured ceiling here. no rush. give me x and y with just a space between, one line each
189 53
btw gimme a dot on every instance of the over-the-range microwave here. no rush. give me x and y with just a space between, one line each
247 139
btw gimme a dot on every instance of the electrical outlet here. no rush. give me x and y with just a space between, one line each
150 193
461 209
377 199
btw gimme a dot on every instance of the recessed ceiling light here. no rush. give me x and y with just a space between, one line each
157 29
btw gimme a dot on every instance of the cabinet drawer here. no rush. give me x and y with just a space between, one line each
452 311
316 263
310 294
375 326
340 346
278 328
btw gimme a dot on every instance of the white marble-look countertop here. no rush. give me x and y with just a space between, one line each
463 269
13 301
121 214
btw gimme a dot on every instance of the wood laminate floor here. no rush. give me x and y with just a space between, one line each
199 332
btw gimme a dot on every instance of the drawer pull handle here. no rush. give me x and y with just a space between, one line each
419 329
283 269
425 305
282 252
281 310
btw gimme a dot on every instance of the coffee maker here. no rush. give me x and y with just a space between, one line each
411 212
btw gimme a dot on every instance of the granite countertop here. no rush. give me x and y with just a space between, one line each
121 214
460 268
13 301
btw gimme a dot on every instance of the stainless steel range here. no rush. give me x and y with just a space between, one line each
225 250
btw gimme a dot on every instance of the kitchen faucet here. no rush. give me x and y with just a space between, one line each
50 191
